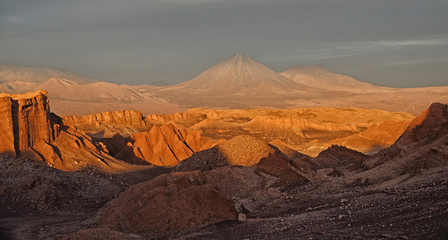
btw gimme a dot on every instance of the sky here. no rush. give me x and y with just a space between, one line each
396 43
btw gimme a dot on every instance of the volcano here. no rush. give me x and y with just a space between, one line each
238 81
238 74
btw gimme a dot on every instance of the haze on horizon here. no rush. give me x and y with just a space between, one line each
401 43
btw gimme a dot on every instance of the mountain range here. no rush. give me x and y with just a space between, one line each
237 82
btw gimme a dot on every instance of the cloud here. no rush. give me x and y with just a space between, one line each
347 49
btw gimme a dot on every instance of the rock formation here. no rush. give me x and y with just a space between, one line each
25 122
428 127
241 150
123 117
308 130
107 124
423 145
375 137
168 204
31 131
340 157
164 145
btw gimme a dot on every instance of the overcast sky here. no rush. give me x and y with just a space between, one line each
399 43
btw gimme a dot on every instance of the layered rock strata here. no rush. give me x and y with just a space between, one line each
29 130
25 122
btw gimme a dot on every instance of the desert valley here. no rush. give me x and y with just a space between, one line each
238 152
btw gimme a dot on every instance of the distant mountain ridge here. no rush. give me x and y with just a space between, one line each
318 77
13 72
237 82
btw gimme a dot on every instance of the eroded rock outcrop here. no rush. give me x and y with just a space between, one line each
375 137
164 145
429 126
107 124
25 122
423 145
29 130
340 157
168 204
241 150
124 117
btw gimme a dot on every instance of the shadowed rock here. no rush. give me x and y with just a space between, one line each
340 157
167 204
241 150
423 145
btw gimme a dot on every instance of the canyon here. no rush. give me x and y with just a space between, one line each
307 130
197 174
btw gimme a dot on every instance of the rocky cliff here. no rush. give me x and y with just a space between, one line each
107 124
29 130
124 117
25 122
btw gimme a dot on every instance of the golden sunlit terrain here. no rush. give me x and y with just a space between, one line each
204 171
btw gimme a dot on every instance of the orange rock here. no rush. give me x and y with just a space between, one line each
29 130
25 121
124 117
164 145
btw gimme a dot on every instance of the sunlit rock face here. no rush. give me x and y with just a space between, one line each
25 122
29 130
164 145
123 117
108 124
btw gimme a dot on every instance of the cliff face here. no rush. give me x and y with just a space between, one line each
29 130
25 122
124 117
108 124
